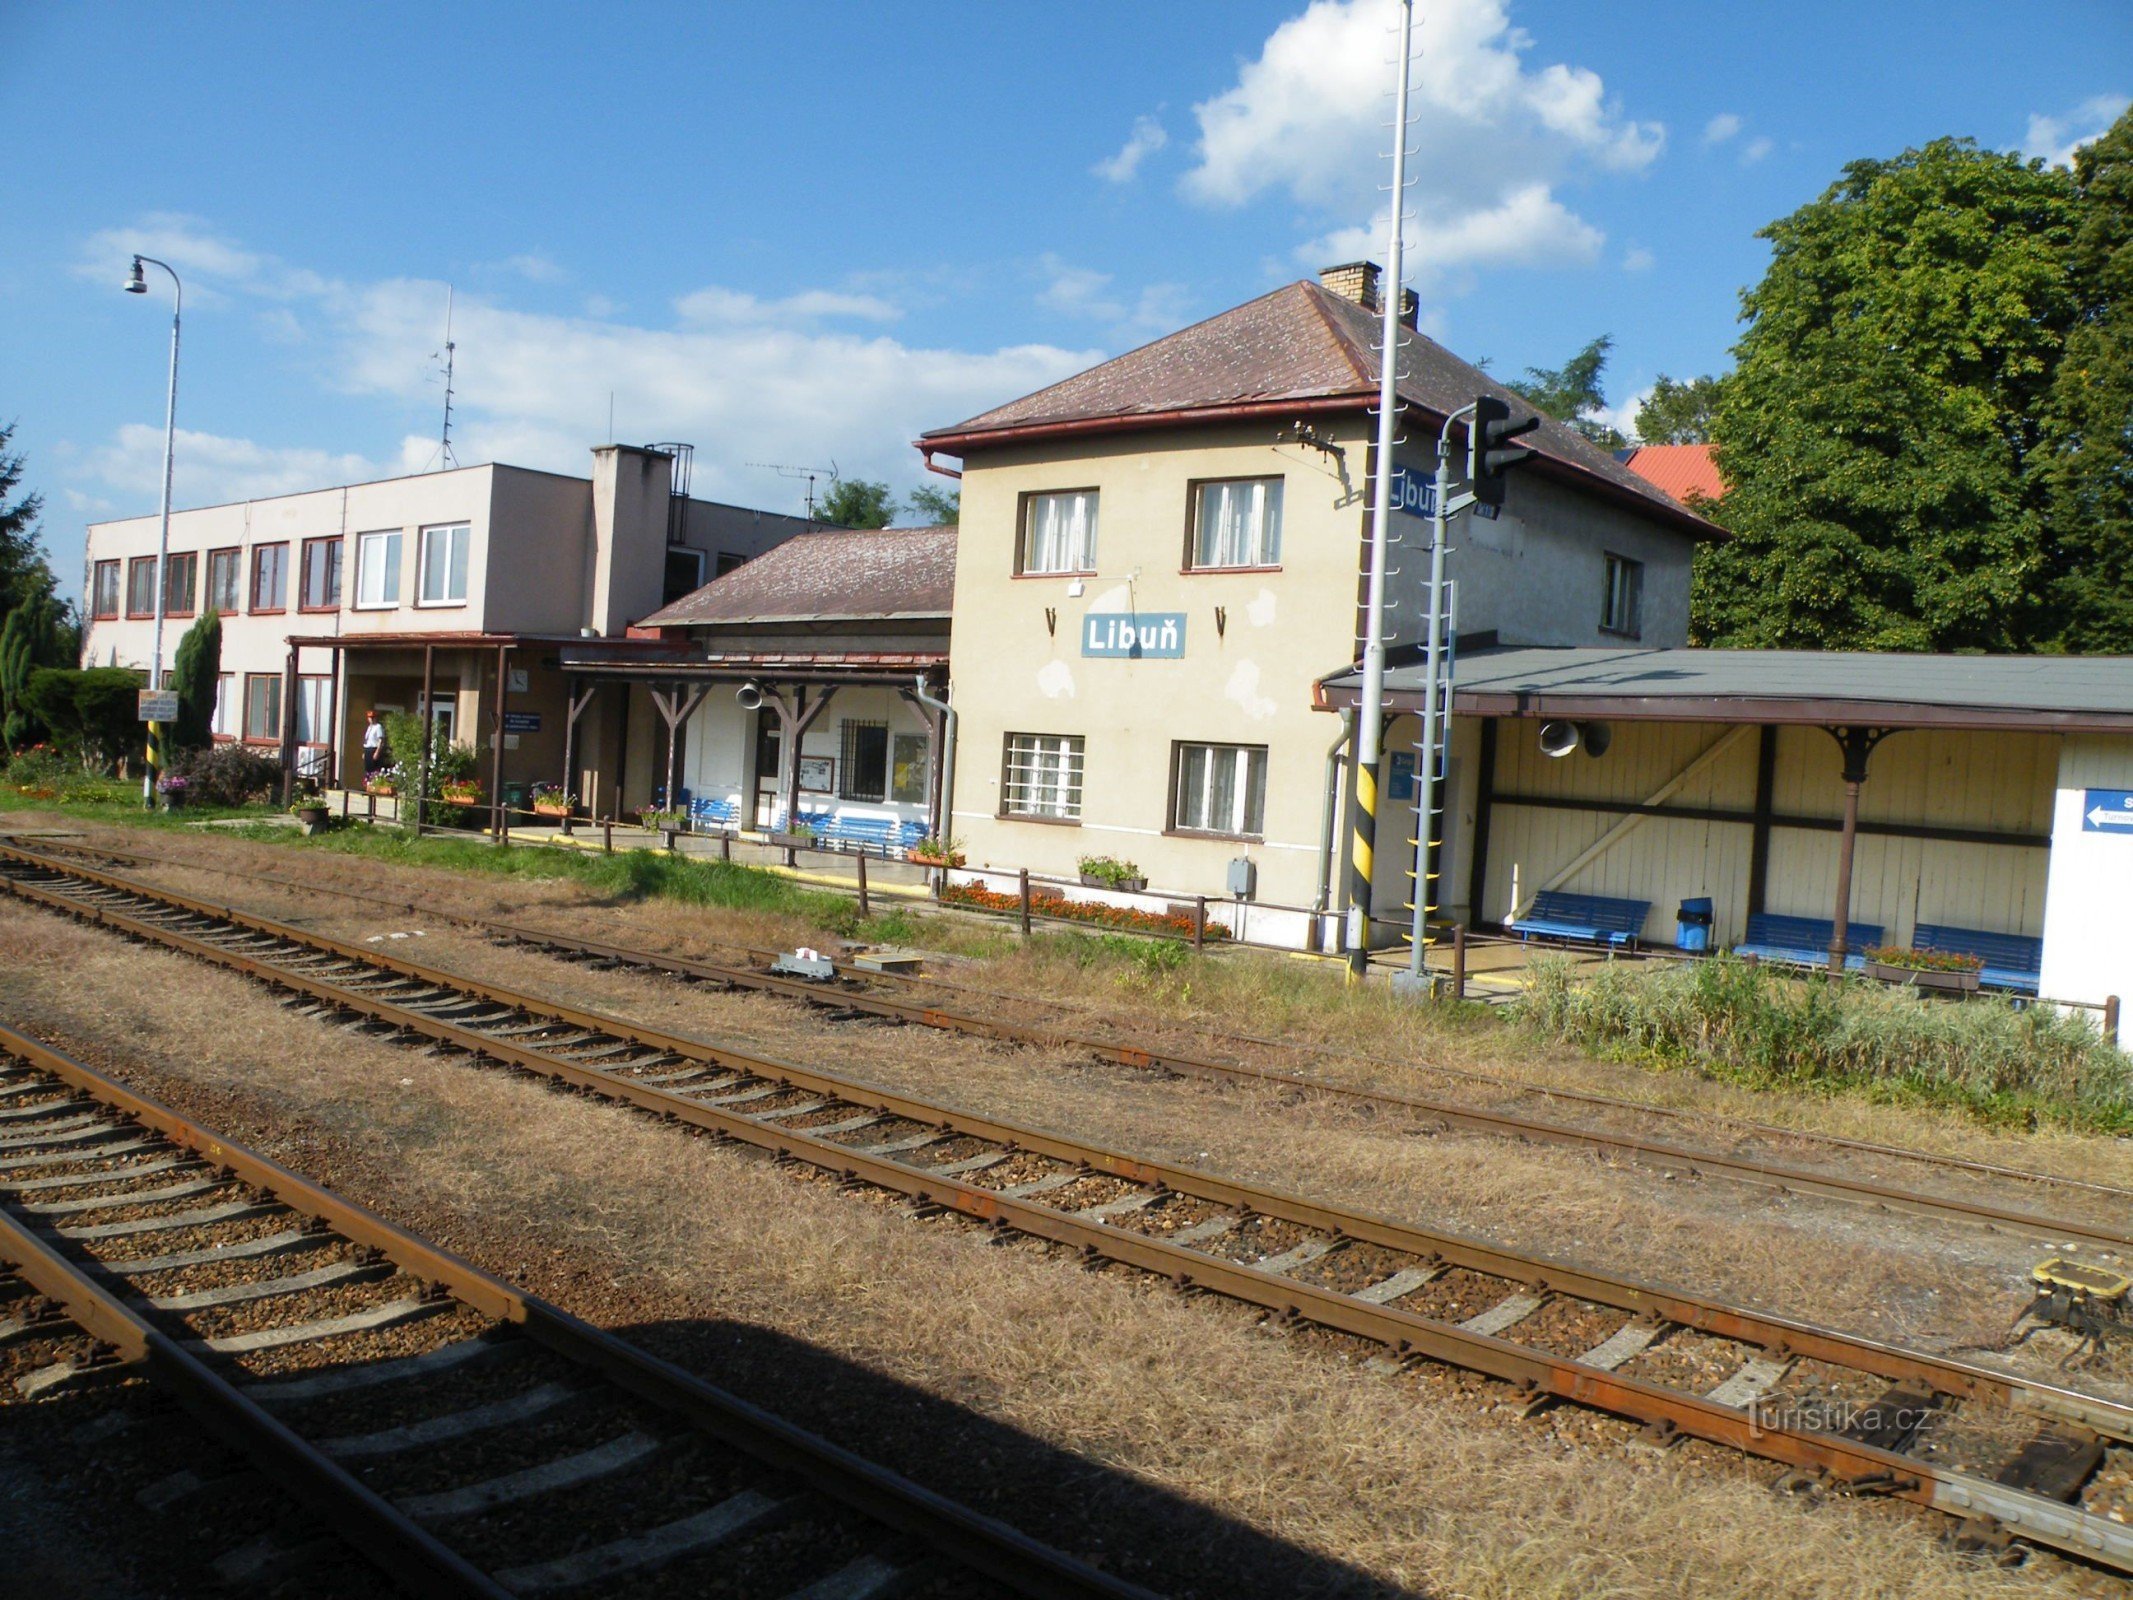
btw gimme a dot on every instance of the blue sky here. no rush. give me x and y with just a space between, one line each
803 233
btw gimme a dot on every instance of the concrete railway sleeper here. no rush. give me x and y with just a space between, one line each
865 992
2010 1455
465 1437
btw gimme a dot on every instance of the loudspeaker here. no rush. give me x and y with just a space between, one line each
1558 739
1595 737
749 696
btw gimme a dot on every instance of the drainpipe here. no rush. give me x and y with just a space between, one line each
1326 812
943 820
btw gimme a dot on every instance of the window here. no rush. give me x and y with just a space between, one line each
685 573
262 707
1625 593
181 580
270 577
314 709
321 580
225 724
104 590
1041 776
141 587
444 566
1059 532
727 561
1237 523
863 774
377 569
223 569
910 772
1221 788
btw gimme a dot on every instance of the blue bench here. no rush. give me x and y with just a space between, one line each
887 835
1805 940
2011 960
719 813
1594 918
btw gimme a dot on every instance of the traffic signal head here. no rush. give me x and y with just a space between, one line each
1489 454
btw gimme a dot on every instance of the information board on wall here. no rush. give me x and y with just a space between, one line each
2107 811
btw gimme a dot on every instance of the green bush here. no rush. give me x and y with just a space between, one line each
93 715
1769 1026
39 767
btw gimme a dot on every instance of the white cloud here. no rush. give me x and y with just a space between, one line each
1623 418
747 379
1529 227
1637 259
1085 292
1755 150
1721 128
1308 119
1147 137
210 469
535 269
2057 138
210 266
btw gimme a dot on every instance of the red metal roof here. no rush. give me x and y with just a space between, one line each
1688 472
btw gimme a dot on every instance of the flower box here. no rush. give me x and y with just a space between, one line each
1936 981
929 858
313 818
1092 880
550 808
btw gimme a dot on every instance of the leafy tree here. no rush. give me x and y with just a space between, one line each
937 506
2084 463
1874 431
196 676
1571 393
34 635
1678 413
856 503
21 557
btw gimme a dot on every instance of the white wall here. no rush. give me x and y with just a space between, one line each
2088 898
720 743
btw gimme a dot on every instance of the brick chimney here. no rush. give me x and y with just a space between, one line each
1363 283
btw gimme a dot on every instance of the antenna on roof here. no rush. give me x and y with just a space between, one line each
809 473
446 460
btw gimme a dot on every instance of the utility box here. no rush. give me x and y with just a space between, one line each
1243 878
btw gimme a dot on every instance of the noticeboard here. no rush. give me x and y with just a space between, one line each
159 705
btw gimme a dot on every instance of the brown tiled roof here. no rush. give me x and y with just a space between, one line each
837 574
1299 345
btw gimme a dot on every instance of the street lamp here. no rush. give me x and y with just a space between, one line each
137 284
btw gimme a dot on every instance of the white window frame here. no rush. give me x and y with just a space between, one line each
1197 792
459 546
314 708
1251 507
1622 597
386 539
1041 776
1068 548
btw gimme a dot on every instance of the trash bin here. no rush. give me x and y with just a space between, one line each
1693 924
514 798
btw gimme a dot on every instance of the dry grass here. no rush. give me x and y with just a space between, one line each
1377 1040
1418 1482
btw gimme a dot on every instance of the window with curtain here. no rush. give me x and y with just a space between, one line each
225 571
314 708
141 587
378 569
321 578
270 577
1221 788
1059 532
180 581
1625 593
444 566
225 724
1041 776
262 706
1237 523
104 590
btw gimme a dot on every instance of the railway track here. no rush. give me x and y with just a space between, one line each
2013 1457
864 992
465 1437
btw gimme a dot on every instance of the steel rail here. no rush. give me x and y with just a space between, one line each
1538 1373
966 1537
1657 1153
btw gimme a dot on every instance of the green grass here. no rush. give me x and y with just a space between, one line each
2007 1065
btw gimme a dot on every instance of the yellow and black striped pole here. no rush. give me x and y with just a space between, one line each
1362 856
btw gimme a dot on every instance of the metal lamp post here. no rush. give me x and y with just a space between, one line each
137 284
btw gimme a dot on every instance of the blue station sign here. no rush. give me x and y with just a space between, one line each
1134 635
1414 493
2107 811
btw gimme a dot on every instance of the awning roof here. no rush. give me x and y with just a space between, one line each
2061 693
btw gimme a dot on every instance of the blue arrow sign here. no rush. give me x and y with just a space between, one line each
2107 811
